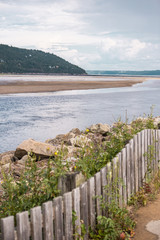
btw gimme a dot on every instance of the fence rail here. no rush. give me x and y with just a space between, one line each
54 219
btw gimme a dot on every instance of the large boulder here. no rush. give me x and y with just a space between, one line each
41 150
100 128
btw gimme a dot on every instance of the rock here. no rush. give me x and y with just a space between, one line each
57 140
96 138
64 138
17 170
41 150
6 166
60 139
157 122
68 137
80 141
14 159
6 157
72 134
23 160
75 131
99 128
72 152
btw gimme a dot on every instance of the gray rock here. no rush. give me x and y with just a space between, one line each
76 131
6 157
80 141
157 122
57 140
64 138
14 159
68 137
23 160
6 166
99 128
41 150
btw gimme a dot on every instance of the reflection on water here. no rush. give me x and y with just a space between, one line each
44 115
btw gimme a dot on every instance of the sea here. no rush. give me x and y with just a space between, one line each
42 116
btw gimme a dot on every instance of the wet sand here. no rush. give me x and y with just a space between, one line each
10 87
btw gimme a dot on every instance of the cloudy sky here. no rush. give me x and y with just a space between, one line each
94 34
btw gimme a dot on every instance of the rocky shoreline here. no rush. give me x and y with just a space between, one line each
72 142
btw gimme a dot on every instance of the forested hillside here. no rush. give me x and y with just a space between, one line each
18 60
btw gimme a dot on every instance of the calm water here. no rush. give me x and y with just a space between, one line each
42 116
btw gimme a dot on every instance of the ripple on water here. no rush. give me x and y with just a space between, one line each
44 115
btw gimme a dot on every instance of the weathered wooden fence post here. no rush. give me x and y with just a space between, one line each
76 209
54 220
58 218
23 226
36 223
124 175
84 207
7 228
47 209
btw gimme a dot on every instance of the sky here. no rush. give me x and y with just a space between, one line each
93 34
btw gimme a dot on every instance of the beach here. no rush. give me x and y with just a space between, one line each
20 86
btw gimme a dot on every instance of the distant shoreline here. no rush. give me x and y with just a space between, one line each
20 86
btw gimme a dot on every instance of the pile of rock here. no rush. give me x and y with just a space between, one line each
72 141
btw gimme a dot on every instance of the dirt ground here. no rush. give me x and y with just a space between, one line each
143 216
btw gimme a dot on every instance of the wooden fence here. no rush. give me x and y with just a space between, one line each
54 219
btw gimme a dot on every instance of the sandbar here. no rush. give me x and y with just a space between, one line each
19 86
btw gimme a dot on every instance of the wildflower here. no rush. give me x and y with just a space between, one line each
75 167
87 130
48 148
56 153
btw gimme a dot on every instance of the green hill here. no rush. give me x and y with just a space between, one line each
18 60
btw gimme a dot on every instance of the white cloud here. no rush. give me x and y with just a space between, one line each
109 44
124 48
135 47
92 34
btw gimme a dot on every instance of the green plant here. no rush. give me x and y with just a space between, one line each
79 231
34 186
94 156
150 157
149 122
156 182
138 199
118 221
151 182
91 159
105 229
